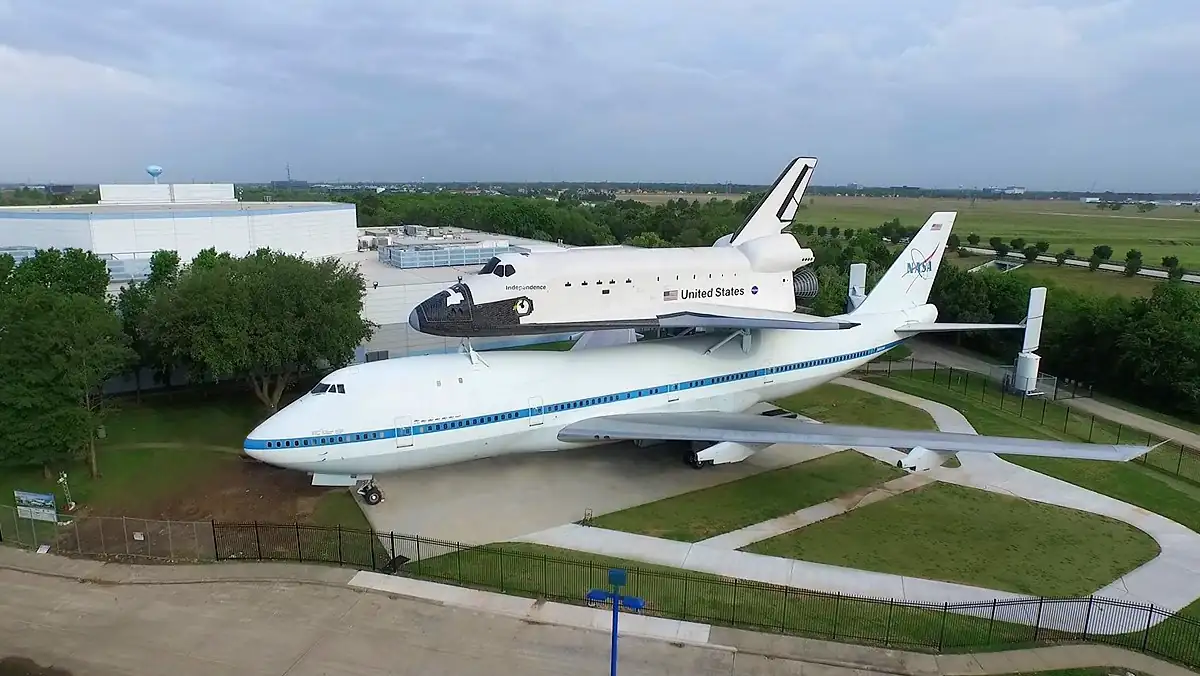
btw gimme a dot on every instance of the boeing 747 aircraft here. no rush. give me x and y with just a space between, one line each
415 412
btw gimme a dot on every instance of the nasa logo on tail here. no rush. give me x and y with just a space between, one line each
921 267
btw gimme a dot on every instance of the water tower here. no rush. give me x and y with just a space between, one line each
155 171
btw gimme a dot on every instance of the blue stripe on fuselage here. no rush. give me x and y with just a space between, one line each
505 416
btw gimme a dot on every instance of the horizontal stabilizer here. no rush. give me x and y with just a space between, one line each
757 429
706 315
936 327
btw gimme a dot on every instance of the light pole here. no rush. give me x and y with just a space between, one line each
616 578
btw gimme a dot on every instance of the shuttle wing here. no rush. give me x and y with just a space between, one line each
708 315
756 429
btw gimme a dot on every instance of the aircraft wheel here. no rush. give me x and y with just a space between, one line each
694 460
372 496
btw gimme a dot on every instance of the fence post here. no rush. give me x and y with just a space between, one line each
942 631
299 549
1037 624
1043 422
950 379
1091 428
887 628
392 539
374 541
1087 617
1119 428
837 608
1179 465
340 557
1021 413
418 555
1066 418
258 540
733 612
1149 622
1002 397
787 595
934 379
991 622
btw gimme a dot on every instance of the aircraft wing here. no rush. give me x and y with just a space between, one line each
756 429
708 315
935 327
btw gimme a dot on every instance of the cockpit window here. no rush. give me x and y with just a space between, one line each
504 271
319 389
489 266
341 389
322 388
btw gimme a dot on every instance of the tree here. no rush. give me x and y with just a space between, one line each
953 242
995 243
648 240
1043 246
1094 262
131 305
822 231
1103 252
809 229
835 231
1069 251
57 350
64 271
848 233
1031 253
1133 262
1175 274
1061 258
1002 250
1169 262
1017 244
265 318
973 239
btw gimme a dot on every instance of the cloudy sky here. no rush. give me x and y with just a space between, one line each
1066 94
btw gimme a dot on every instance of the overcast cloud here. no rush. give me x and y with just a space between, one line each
1065 94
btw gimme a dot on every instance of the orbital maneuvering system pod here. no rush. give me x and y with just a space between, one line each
746 280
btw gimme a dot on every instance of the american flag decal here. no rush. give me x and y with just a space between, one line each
936 226
670 295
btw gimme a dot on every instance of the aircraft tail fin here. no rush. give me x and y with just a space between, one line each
778 208
907 283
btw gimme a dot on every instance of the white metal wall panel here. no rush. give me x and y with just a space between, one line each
135 193
393 304
43 232
153 233
113 235
203 192
229 232
193 234
315 234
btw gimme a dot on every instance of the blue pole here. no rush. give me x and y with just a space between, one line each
616 603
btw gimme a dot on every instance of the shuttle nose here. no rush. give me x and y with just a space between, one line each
448 313
414 320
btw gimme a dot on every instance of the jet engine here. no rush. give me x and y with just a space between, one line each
922 459
805 282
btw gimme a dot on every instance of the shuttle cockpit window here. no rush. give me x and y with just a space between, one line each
504 271
490 266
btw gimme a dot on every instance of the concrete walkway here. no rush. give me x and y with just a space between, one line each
1169 582
1120 416
222 618
787 523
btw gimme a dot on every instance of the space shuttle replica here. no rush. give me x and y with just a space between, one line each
749 279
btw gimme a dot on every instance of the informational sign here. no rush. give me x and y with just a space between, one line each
36 506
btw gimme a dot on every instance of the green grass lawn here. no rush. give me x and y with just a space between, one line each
970 536
833 403
702 514
1066 277
556 346
1162 232
1132 482
178 457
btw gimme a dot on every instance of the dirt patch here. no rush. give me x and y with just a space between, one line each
20 666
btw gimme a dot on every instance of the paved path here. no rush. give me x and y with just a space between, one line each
1160 429
98 619
1170 581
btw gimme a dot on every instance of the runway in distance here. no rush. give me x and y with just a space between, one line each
431 410
749 279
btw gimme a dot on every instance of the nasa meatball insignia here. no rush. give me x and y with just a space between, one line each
714 292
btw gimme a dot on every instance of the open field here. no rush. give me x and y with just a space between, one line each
702 514
178 457
948 532
657 198
1073 278
1162 232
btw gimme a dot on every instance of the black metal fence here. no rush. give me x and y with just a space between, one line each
518 569
1170 457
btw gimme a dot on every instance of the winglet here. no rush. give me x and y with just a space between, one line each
778 208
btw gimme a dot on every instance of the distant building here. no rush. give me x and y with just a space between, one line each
1090 200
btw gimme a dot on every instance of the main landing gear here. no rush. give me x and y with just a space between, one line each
370 493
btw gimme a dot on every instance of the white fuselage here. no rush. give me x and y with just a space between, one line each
424 411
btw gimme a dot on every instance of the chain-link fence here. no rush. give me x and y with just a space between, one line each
111 537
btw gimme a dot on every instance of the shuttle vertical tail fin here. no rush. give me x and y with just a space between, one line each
907 283
778 208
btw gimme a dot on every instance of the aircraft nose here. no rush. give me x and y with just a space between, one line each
437 316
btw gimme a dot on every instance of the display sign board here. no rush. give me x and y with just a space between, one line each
36 506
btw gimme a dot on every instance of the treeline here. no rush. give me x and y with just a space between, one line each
266 319
1101 254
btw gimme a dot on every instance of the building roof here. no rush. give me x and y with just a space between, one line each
167 208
